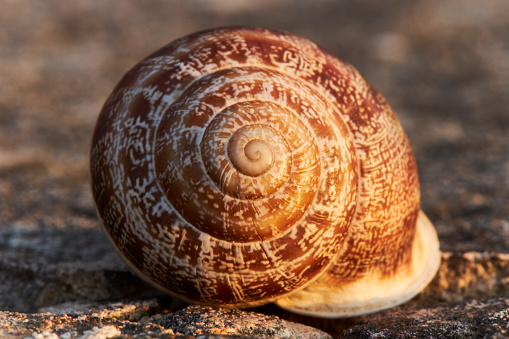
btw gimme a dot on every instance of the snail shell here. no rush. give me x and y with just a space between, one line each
240 166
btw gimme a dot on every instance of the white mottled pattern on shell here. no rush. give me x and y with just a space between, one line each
175 224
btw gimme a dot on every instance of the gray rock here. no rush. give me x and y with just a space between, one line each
197 320
136 319
469 275
104 322
484 318
42 268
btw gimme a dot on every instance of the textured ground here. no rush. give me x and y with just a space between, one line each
443 66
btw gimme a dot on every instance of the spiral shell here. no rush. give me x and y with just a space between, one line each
239 166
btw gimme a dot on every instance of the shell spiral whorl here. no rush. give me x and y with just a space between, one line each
249 149
236 166
202 165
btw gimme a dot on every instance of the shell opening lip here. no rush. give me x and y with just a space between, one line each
372 293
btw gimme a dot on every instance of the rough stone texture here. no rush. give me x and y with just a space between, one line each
90 320
443 66
136 319
473 319
469 275
54 265
196 320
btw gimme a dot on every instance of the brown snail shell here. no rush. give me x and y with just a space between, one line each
239 166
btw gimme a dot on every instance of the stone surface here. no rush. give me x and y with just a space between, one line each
196 320
139 319
84 320
474 319
51 266
443 66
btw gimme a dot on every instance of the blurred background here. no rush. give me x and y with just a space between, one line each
443 67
